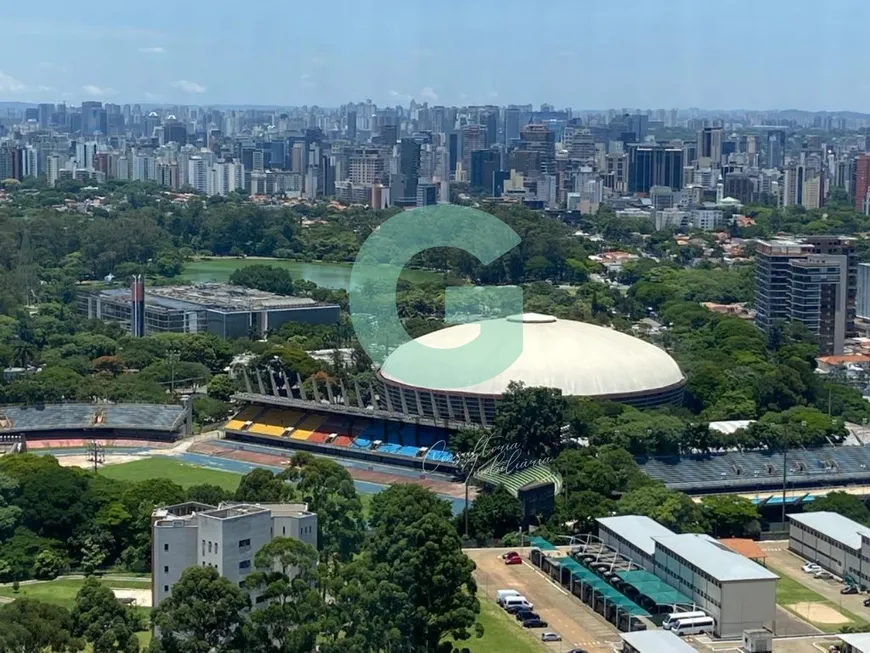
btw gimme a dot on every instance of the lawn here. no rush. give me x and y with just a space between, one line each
182 473
789 591
63 591
501 633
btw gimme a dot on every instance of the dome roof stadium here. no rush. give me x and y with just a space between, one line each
577 358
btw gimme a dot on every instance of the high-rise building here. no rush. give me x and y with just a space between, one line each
813 282
775 148
511 124
44 113
226 537
351 126
862 301
484 165
710 144
861 183
489 119
473 138
365 166
536 137
427 193
739 186
137 306
654 165
174 131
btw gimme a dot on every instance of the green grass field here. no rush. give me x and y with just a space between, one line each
183 474
63 591
789 591
501 633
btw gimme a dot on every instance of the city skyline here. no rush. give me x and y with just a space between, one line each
301 55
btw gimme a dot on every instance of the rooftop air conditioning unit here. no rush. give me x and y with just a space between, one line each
758 640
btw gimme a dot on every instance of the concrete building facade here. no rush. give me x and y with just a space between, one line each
226 537
833 542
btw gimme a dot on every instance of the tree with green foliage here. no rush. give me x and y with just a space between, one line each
206 613
31 626
284 579
730 515
673 510
221 387
102 621
269 278
211 495
492 514
48 565
414 546
842 503
262 486
532 419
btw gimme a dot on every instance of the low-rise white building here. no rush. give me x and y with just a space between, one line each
736 592
653 641
226 537
834 542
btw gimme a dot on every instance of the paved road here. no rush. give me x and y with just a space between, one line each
578 625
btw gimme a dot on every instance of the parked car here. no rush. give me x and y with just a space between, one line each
551 637
811 568
501 595
514 560
517 609
525 615
577 650
535 623
867 603
824 575
849 589
510 554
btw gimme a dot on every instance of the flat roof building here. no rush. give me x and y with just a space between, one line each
226 537
225 310
738 593
653 641
834 542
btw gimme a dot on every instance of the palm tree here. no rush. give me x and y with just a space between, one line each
23 352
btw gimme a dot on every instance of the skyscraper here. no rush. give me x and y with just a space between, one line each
654 165
473 138
137 300
813 282
536 137
484 165
511 124
861 182
351 126
710 144
775 148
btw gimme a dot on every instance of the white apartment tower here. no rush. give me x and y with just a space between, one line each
226 537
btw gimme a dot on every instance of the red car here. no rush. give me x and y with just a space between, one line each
515 559
510 554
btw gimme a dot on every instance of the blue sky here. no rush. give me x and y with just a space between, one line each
757 54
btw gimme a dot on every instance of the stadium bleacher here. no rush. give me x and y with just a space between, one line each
806 467
342 431
85 416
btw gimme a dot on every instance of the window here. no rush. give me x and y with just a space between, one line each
283 530
203 547
166 569
209 546
166 588
215 547
244 543
166 547
260 599
244 564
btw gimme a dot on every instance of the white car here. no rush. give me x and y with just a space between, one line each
824 575
811 568
551 637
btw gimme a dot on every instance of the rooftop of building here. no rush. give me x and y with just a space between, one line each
228 510
836 526
713 558
638 530
660 641
216 296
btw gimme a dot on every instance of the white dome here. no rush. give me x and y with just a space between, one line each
579 359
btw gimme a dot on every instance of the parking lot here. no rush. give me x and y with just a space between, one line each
576 623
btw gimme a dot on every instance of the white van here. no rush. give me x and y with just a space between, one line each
511 601
501 595
673 617
694 626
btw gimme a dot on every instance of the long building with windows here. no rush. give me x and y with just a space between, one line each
834 542
225 310
737 593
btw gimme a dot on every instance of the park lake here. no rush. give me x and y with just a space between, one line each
325 275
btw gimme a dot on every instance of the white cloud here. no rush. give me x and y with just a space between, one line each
97 91
189 87
493 94
9 84
304 76
428 93
154 50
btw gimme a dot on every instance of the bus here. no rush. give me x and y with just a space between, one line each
693 626
672 618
